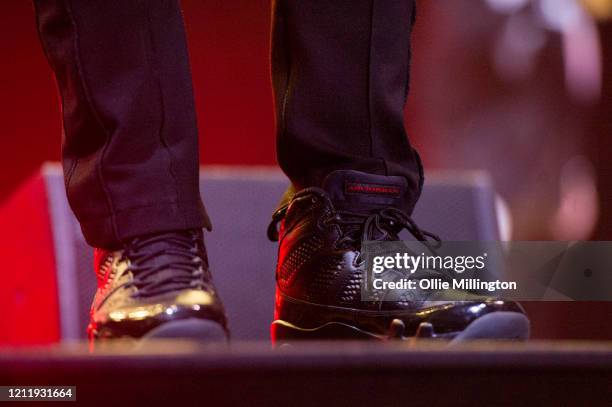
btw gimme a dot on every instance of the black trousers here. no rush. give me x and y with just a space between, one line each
130 155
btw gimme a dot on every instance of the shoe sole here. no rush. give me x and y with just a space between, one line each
195 329
500 325
299 319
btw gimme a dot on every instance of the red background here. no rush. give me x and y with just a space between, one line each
229 46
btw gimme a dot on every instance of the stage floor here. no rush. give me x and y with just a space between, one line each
355 373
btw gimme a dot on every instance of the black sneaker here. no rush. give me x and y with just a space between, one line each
319 275
158 286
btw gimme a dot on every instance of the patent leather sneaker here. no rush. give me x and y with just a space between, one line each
157 286
319 273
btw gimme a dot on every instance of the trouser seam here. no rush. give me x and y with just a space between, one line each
371 130
97 117
75 162
288 64
162 137
370 120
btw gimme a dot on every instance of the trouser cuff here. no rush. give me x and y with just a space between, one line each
112 231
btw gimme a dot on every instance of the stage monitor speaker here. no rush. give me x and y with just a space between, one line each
49 282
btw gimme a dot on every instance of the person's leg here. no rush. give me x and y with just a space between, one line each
341 74
130 150
130 156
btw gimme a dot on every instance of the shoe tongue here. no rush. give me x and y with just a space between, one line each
165 242
358 191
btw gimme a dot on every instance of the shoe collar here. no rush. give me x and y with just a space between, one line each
363 192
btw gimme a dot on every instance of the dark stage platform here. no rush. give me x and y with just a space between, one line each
356 374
